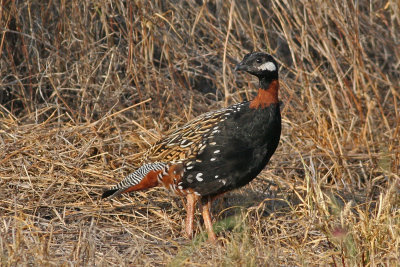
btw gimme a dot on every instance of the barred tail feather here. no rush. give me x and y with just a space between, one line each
134 179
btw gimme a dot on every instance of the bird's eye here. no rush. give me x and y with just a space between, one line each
258 60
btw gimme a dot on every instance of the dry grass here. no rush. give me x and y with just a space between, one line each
85 87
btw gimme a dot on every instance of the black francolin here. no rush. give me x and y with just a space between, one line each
218 151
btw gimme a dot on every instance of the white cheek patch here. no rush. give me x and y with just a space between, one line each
270 66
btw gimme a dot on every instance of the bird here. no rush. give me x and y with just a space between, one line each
216 152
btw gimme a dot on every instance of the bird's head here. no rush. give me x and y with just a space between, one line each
259 64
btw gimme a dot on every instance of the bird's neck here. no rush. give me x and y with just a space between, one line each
267 94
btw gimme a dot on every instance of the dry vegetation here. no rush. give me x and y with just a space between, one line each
86 86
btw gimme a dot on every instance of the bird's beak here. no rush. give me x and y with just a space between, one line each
240 66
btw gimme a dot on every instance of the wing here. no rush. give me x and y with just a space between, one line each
182 144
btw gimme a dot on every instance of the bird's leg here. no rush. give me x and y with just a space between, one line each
190 208
205 210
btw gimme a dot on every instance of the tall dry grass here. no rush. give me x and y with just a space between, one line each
86 86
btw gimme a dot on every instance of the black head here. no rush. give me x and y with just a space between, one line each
259 64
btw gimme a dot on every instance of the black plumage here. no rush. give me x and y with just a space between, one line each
236 153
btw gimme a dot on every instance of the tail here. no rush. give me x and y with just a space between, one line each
108 193
144 177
